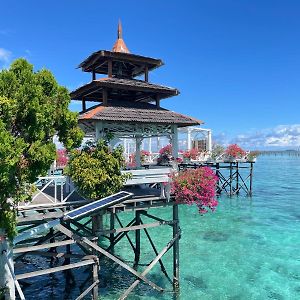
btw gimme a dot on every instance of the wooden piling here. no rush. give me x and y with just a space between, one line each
175 248
251 179
237 179
137 239
112 226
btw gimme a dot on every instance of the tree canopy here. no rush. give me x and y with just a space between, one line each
33 108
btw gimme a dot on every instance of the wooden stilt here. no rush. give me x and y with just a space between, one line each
251 178
95 280
112 226
237 179
175 248
230 179
137 239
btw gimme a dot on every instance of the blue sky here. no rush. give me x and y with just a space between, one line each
236 63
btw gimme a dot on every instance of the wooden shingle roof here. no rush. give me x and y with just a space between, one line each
128 89
136 113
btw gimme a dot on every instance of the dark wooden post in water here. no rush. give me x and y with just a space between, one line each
251 178
112 226
230 178
175 248
137 239
237 179
219 189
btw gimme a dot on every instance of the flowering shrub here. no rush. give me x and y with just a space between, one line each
132 157
61 157
167 150
196 186
191 154
165 154
234 151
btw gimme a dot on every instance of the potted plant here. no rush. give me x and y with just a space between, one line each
252 155
165 155
195 186
234 152
190 154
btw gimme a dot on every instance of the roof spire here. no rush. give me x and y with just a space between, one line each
120 30
120 45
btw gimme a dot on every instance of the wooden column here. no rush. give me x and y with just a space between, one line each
157 101
146 73
175 248
109 66
189 140
137 238
104 97
138 142
83 105
93 75
174 141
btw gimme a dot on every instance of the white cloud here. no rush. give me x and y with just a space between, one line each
5 57
281 136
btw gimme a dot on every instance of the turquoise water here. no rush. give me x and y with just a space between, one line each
247 249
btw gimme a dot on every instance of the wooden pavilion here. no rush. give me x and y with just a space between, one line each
128 107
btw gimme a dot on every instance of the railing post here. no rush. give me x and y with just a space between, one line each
6 277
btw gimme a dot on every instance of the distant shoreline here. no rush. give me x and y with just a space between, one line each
279 152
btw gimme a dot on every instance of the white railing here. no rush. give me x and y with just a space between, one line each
56 189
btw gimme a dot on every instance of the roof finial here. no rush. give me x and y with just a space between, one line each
119 45
120 30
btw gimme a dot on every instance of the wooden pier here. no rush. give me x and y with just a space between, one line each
234 177
58 242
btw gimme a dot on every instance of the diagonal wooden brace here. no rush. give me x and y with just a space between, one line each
151 265
89 244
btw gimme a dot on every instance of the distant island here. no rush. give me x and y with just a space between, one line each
279 152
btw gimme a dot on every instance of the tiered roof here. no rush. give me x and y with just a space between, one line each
123 98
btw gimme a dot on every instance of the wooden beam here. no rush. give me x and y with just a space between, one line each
137 227
43 246
56 269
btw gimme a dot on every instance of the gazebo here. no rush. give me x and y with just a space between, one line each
126 106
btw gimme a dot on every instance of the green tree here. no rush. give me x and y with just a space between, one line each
33 108
96 170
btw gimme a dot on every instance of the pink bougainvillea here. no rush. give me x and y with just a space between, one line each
196 186
166 150
61 157
235 151
191 154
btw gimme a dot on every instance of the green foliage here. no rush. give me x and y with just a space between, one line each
33 108
96 170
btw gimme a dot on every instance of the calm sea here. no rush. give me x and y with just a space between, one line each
248 249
